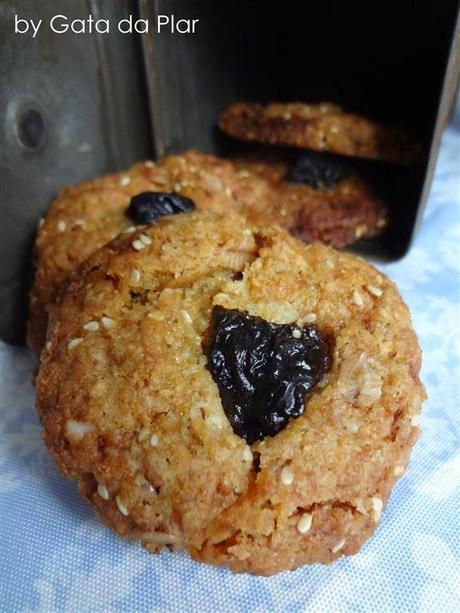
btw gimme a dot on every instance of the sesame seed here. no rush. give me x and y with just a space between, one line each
377 504
102 491
360 230
154 440
375 291
177 187
157 315
135 276
125 181
149 163
247 454
338 546
335 129
129 230
74 343
357 298
145 239
91 326
398 470
353 427
287 476
381 223
41 222
371 393
324 381
160 179
143 434
287 116
304 523
61 226
310 318
160 538
107 322
79 222
186 315
121 507
138 245
415 420
296 333
247 232
77 429
243 174
48 346
228 192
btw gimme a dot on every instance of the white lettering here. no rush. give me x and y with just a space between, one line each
35 27
163 20
125 26
59 24
141 26
20 23
78 26
22 26
102 26
179 26
183 26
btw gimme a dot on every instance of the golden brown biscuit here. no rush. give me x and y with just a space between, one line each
131 411
337 214
323 127
85 217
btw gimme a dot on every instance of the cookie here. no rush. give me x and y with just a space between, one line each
319 198
223 389
86 216
322 127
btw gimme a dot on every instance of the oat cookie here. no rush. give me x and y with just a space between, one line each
86 216
320 199
323 127
131 392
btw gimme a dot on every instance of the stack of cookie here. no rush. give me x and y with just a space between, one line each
213 383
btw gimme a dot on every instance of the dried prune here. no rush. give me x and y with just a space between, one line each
264 371
319 171
147 207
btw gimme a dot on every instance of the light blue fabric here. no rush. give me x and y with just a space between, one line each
56 556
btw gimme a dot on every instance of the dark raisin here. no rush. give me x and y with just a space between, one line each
319 171
263 371
147 207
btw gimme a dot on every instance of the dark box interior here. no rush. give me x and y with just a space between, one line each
383 60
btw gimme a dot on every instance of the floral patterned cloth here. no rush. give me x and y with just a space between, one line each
57 556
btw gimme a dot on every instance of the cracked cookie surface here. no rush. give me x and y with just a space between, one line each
130 409
85 217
